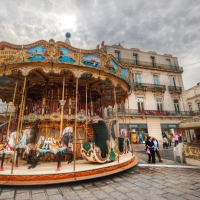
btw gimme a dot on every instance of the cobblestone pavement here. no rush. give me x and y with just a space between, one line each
152 182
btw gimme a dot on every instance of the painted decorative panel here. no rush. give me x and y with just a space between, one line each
92 60
10 54
67 56
124 74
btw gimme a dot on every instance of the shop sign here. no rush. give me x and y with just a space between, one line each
133 126
172 126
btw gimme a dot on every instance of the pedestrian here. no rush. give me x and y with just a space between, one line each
169 139
156 148
150 145
165 143
176 139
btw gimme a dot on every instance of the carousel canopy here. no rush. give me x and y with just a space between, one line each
45 63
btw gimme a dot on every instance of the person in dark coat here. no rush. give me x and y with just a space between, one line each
150 145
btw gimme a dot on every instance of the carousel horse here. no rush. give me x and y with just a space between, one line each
5 149
55 147
106 146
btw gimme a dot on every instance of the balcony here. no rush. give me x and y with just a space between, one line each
164 113
149 87
175 89
151 65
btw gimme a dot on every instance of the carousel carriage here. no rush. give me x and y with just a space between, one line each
105 146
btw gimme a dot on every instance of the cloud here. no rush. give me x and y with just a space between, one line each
163 26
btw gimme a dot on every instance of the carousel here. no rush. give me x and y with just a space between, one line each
57 129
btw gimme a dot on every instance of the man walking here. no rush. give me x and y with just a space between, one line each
156 148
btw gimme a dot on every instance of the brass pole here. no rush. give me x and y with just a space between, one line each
116 117
62 107
13 102
19 121
86 108
130 124
23 108
75 123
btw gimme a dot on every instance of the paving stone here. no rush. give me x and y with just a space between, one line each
107 189
68 193
190 197
7 194
73 197
100 194
78 187
118 195
22 196
173 191
84 194
35 191
56 197
39 196
52 191
136 196
172 196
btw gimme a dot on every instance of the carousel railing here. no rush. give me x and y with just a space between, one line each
135 112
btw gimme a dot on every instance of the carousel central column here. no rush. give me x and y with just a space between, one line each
62 103
76 122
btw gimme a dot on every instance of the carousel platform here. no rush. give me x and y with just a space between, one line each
45 173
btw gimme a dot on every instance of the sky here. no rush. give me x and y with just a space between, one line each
164 26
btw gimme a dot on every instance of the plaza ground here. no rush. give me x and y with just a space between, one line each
154 182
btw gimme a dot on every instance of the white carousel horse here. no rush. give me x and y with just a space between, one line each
22 143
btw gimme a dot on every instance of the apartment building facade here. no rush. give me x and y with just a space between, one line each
157 102
193 99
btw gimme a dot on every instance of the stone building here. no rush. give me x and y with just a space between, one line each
157 101
193 98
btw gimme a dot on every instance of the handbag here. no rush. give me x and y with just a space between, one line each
148 151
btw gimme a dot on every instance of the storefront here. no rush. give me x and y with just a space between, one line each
170 129
137 133
191 140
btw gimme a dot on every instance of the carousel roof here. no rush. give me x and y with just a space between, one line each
46 62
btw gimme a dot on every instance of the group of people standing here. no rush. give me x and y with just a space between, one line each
152 148
167 139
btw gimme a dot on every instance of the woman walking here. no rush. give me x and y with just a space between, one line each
150 145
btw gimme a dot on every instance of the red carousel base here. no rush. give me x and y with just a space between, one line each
45 173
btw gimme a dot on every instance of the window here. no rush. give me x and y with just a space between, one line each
196 92
153 62
198 106
155 79
138 78
188 95
190 107
140 104
176 106
168 62
135 59
159 104
172 81
117 55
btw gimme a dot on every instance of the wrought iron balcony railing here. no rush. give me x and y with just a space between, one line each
174 89
147 86
134 112
149 64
